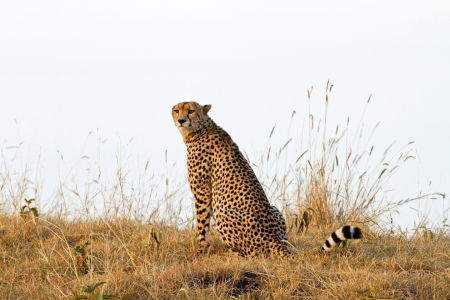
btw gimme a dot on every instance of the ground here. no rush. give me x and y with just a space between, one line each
51 258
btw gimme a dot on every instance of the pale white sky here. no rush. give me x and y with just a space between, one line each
116 68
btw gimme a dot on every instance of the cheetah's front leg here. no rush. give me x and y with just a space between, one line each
203 208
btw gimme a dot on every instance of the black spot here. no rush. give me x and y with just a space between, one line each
327 243
357 234
346 232
335 238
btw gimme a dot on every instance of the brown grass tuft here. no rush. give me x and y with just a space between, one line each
43 264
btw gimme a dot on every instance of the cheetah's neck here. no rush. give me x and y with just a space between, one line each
207 126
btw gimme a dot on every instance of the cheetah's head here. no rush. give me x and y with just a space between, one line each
189 116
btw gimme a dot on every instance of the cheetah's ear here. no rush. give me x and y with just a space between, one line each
206 108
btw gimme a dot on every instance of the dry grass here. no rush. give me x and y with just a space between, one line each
139 238
38 261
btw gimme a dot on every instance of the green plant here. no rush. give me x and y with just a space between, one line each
303 222
365 294
27 211
83 257
90 289
157 237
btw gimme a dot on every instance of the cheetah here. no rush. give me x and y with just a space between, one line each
225 186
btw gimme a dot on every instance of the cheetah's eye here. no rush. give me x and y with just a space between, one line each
176 111
191 111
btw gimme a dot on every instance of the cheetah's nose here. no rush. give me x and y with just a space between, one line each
181 121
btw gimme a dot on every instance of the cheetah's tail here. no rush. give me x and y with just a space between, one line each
343 233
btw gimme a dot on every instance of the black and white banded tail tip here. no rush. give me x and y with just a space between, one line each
344 233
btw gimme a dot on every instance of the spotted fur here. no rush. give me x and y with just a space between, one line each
225 186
